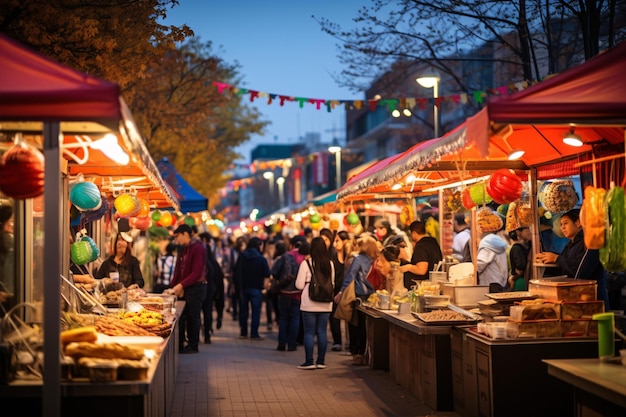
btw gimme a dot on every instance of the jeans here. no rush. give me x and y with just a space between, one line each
288 321
315 324
250 298
190 320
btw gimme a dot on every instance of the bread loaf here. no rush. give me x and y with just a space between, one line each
103 351
79 334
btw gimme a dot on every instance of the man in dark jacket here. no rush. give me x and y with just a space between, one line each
426 254
251 273
189 284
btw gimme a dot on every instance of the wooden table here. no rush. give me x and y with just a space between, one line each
599 387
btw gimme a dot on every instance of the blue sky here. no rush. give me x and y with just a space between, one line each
281 49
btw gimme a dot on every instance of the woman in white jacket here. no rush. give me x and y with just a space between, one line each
491 262
315 314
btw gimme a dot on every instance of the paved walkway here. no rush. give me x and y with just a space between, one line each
246 378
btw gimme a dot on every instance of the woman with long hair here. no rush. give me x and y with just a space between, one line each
315 314
122 262
358 270
342 245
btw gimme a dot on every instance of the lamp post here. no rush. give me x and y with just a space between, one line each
336 149
280 181
269 176
432 81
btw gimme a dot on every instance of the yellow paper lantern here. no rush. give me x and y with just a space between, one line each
166 219
126 205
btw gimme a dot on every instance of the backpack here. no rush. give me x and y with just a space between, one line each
320 288
286 275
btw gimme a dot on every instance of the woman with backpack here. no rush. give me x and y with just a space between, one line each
316 271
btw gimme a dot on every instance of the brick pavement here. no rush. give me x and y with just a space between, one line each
244 378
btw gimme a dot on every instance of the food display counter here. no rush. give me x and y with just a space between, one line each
599 387
418 355
507 377
151 397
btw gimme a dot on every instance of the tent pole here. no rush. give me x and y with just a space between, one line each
51 399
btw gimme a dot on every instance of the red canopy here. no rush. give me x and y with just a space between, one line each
33 87
590 93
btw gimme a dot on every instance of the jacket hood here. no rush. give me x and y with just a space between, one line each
494 242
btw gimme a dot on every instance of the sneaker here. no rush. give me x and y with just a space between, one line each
336 348
258 338
306 366
320 366
243 337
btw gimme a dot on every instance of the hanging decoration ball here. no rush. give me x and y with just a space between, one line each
479 195
81 252
467 200
504 186
127 205
353 219
155 216
144 208
22 171
333 225
95 252
503 209
316 226
277 228
189 221
142 223
166 219
86 196
315 218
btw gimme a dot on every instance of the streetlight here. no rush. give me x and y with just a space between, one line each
269 176
432 81
336 149
280 181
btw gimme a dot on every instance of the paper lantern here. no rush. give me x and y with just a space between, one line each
85 196
93 215
144 208
467 200
95 252
127 205
315 218
141 223
478 194
22 171
503 209
81 252
166 219
189 221
155 216
334 224
353 219
504 186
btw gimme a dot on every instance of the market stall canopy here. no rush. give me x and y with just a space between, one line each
534 120
329 197
35 89
191 201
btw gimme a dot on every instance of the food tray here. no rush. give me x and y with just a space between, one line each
430 318
511 296
564 289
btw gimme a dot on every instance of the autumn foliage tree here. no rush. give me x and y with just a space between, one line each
166 82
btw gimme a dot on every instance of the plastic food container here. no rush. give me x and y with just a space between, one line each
580 310
465 295
575 328
536 328
564 289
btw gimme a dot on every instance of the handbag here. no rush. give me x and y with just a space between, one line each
345 307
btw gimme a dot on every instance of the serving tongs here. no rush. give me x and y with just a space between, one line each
465 312
96 305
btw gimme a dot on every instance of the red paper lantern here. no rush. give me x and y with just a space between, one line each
466 198
504 186
22 171
141 223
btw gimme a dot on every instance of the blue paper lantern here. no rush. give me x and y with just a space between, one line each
85 196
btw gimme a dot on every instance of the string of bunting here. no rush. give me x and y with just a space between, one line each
391 104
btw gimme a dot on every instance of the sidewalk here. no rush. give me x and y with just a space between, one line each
245 378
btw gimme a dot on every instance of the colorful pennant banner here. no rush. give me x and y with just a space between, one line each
390 104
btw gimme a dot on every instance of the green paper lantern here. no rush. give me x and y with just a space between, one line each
95 252
81 252
85 196
155 216
353 219
479 195
315 218
189 221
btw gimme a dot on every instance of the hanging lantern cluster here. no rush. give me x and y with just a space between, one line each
504 186
162 218
22 171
